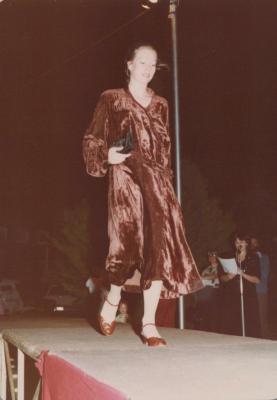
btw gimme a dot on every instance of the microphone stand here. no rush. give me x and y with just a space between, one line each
241 295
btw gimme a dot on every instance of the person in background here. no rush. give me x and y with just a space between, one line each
210 273
122 314
262 286
272 286
208 298
248 262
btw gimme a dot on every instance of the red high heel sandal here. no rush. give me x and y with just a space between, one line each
106 328
153 341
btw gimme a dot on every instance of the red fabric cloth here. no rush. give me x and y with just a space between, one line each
63 381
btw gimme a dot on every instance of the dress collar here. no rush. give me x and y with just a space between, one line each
152 94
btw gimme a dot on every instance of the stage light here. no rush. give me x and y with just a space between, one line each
149 3
58 308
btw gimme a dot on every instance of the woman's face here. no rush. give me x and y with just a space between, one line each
123 309
240 244
143 66
212 258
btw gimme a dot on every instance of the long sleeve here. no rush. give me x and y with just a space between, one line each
95 149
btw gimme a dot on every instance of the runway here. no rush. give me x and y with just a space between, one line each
195 365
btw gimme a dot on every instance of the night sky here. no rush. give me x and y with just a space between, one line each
58 56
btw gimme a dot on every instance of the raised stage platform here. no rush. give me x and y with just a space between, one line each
195 365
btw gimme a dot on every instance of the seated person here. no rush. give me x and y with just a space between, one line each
122 314
207 298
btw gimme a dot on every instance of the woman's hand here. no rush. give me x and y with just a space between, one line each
249 278
227 277
114 157
240 271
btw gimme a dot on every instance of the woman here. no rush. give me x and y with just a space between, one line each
248 263
145 221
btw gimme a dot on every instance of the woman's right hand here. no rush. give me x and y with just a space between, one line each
114 157
227 277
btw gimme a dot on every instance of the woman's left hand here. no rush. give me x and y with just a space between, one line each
114 157
240 271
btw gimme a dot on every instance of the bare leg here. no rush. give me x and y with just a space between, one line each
151 298
110 306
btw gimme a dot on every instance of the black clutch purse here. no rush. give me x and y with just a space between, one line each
127 141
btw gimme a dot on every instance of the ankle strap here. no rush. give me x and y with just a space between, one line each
111 304
143 326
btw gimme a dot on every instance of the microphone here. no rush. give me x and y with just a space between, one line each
163 67
239 249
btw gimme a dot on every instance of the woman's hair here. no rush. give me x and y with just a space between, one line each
240 236
131 53
212 253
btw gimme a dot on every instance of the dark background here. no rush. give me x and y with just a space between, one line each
58 56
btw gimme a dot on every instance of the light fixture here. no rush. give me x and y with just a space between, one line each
149 3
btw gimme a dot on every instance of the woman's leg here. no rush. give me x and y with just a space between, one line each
110 306
151 298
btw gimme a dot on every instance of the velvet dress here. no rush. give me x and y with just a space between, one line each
145 222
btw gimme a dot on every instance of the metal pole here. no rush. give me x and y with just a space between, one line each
241 300
242 306
173 19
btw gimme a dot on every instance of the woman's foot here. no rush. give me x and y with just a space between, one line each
150 330
149 333
109 310
151 336
107 317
